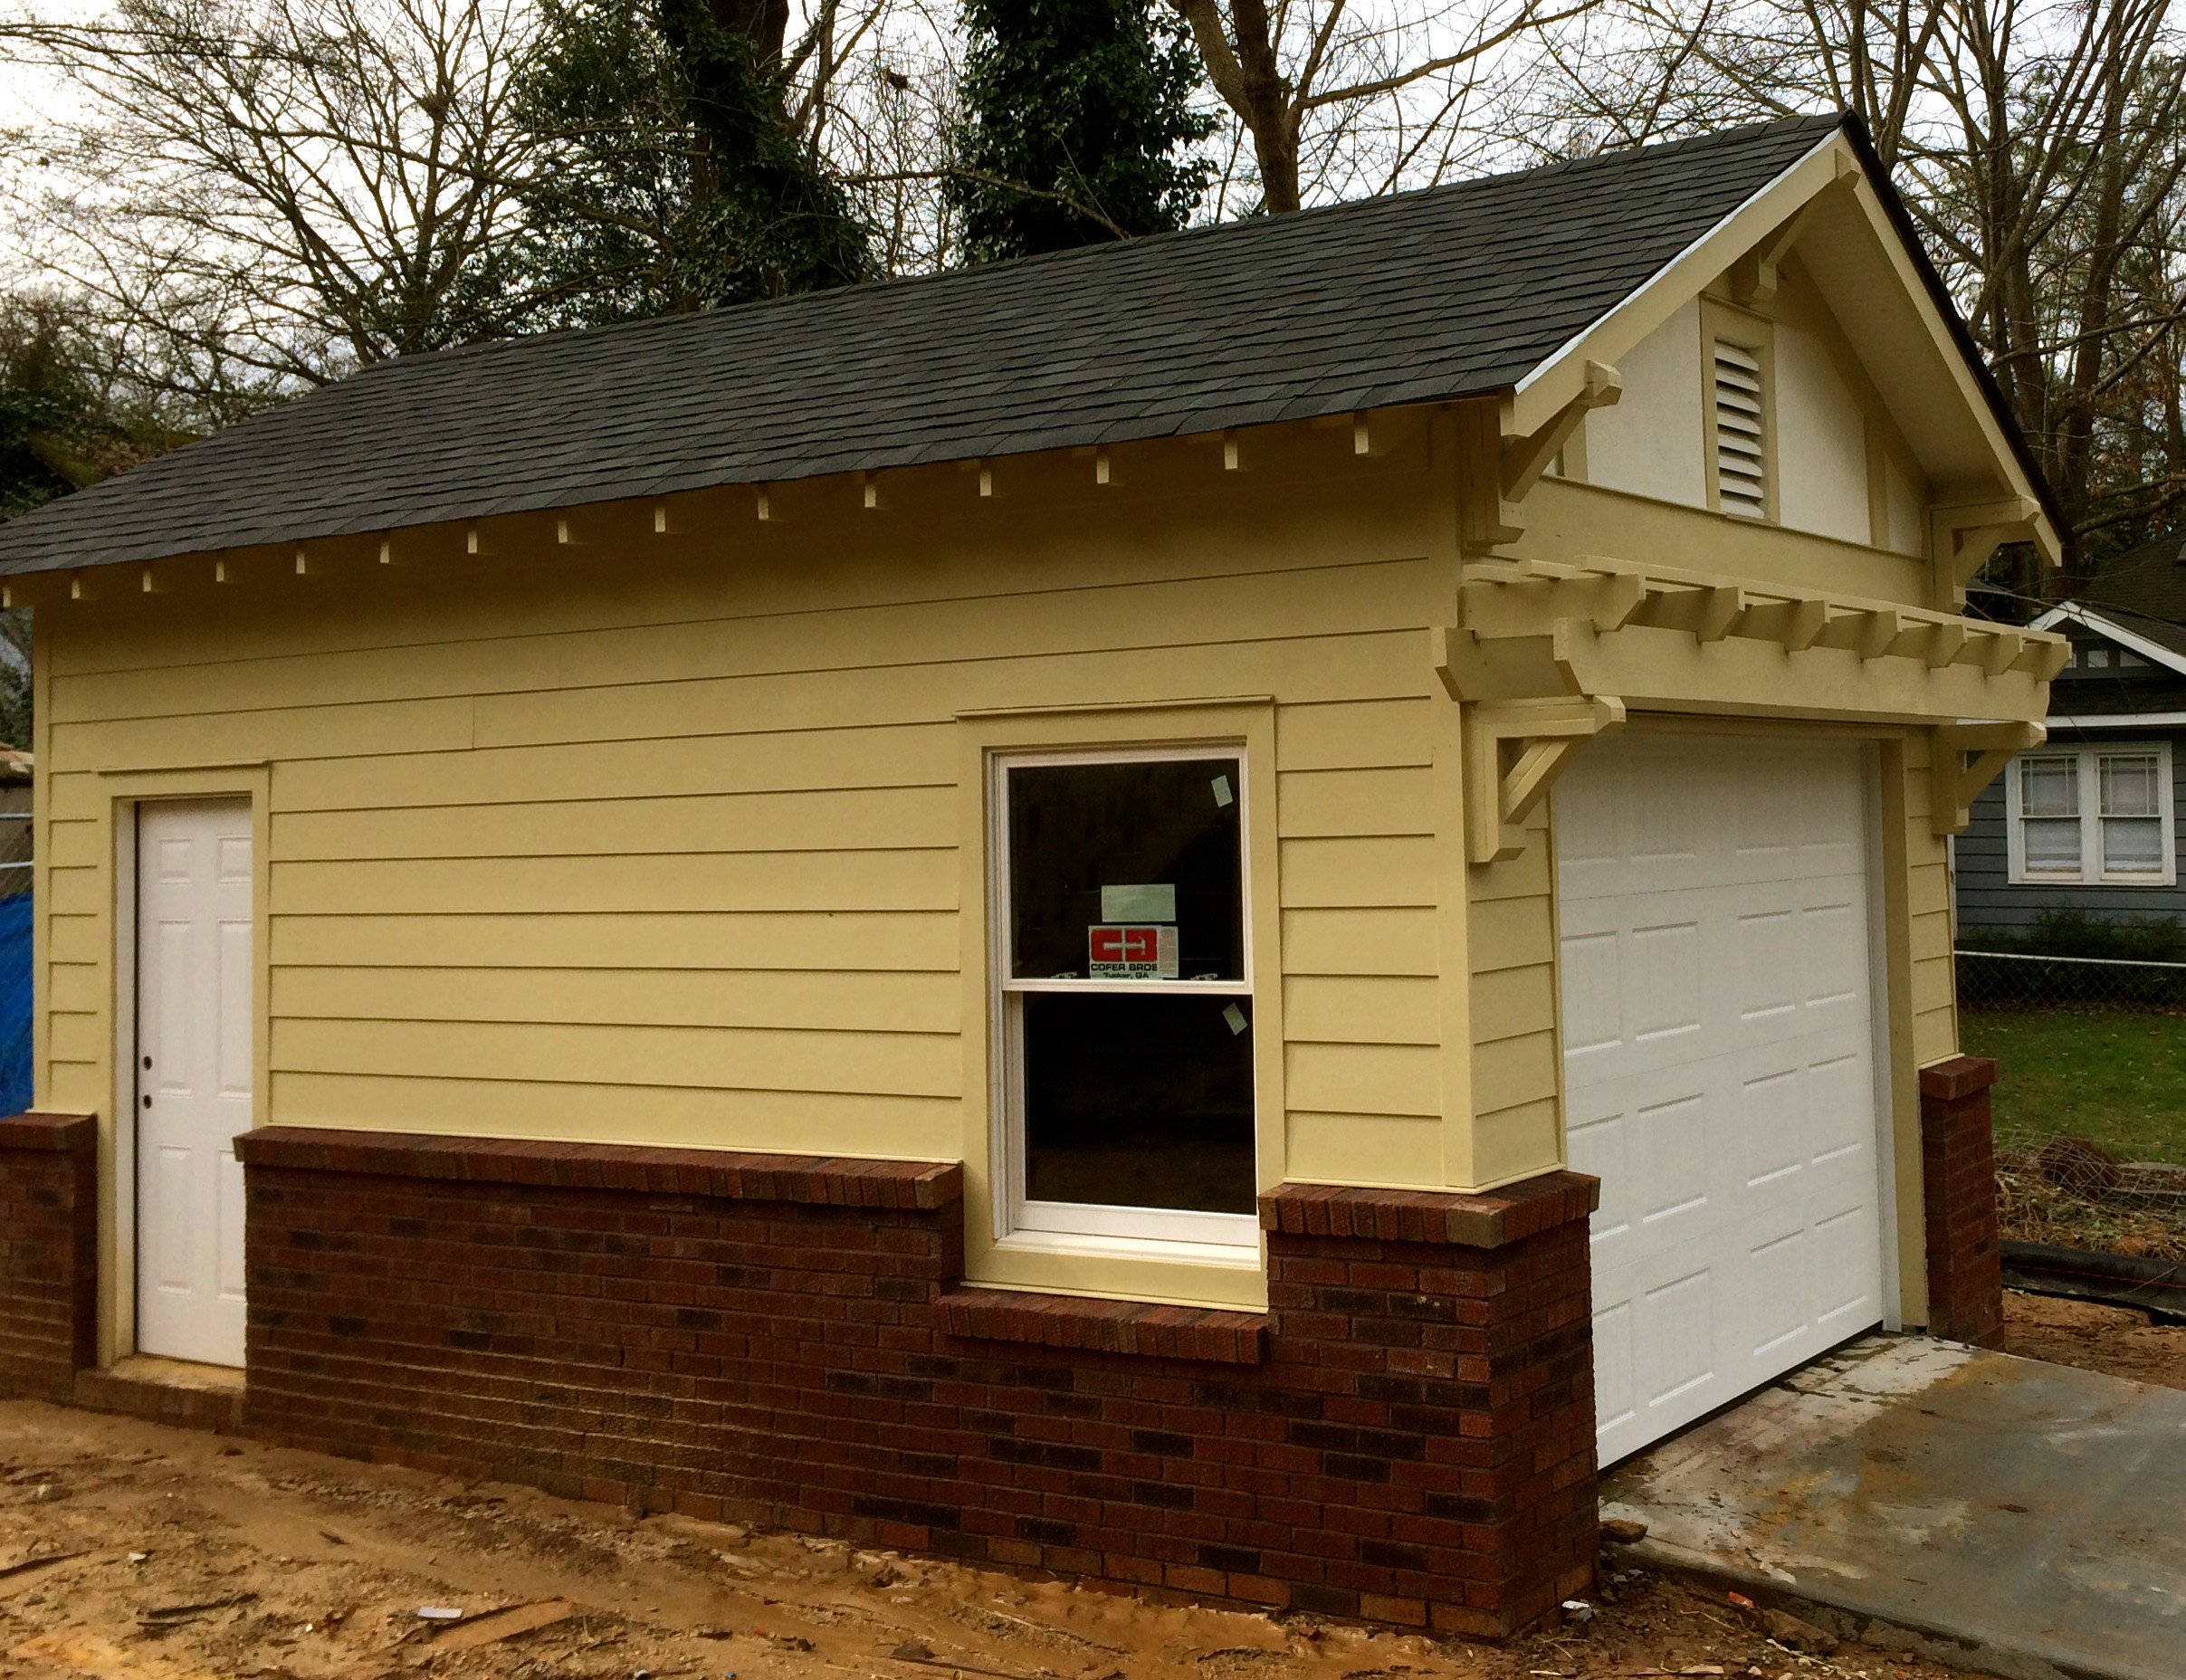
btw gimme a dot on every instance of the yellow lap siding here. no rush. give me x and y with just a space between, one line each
1372 1008
783 762
1355 802
1507 1002
1049 623
1345 735
891 1128
1363 1149
920 880
1357 872
1363 1078
692 939
1369 664
1358 941
852 819
824 1001
697 1058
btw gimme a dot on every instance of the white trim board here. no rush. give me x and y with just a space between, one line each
2154 651
2121 721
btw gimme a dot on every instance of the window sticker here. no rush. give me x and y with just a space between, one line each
1152 903
1222 797
1145 951
1233 1018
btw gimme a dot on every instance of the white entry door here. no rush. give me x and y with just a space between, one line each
1719 1064
194 982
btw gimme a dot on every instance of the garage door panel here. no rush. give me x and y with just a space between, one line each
1779 1289
1848 1270
1595 1141
1614 1377
1719 1065
1676 1336
1772 1109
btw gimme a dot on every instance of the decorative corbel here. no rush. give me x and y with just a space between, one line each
1754 277
1514 749
1962 540
1953 784
1525 459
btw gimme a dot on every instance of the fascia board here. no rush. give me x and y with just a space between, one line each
2118 721
2169 658
1543 391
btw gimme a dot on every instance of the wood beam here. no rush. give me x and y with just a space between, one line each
32 590
1513 751
1754 277
1791 624
1961 539
1525 459
1953 784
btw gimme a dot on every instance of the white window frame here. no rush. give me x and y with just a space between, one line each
1085 1227
2088 759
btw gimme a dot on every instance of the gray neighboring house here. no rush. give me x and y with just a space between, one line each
2091 820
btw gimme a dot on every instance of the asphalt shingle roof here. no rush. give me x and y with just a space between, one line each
1425 296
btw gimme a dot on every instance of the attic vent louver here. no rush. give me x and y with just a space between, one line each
1740 456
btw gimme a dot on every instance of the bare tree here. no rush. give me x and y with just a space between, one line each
268 192
2041 148
1360 99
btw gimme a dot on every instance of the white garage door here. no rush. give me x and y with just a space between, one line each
1719 1064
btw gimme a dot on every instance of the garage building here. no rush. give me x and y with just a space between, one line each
1207 912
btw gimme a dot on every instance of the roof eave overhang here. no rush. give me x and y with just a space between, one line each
2131 640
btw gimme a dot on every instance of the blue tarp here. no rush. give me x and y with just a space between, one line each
15 1003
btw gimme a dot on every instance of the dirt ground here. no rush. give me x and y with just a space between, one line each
2117 1340
131 1551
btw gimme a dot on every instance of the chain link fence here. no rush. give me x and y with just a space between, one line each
2090 1100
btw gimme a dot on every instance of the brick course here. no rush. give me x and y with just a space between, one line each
1407 1436
1958 1187
49 1253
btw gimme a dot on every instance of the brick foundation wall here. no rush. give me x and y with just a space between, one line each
1405 1435
1958 1185
49 1253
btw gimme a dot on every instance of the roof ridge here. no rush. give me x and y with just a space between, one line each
1241 229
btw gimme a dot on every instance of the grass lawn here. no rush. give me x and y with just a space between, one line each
2115 1077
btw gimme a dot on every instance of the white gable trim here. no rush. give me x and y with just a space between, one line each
2154 651
1543 393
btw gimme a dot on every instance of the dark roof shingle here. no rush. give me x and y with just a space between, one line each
1421 296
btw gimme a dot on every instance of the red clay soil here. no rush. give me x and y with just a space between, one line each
2117 1340
131 1551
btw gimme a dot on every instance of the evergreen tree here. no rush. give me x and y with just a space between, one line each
673 178
1076 112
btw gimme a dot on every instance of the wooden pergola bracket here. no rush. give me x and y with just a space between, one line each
1514 752
1525 459
1954 784
1961 539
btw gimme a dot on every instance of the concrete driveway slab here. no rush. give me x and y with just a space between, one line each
2023 1518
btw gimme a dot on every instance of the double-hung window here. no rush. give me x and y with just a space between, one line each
1123 1000
2097 816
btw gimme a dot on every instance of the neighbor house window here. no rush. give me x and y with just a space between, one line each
1124 995
2099 815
